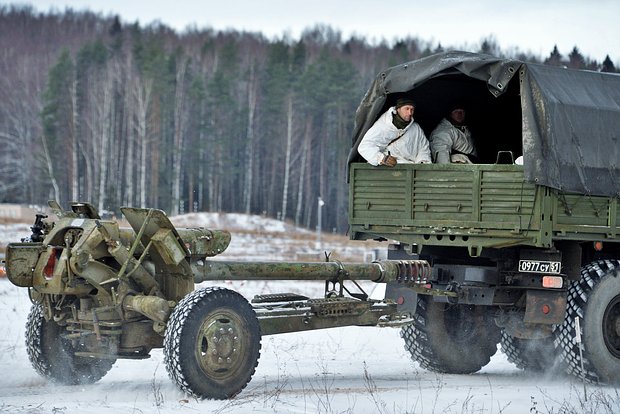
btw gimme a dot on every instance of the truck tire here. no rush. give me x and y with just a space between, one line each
595 299
538 355
53 357
212 343
452 339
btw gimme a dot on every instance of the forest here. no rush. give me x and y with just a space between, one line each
100 110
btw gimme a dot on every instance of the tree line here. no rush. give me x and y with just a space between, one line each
93 109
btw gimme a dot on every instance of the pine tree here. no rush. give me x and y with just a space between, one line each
608 65
58 126
576 59
489 46
276 96
400 53
555 58
225 129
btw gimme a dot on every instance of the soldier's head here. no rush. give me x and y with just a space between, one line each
456 113
405 107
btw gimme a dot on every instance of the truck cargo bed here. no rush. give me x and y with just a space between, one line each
480 205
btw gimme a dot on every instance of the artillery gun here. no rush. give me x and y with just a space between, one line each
102 293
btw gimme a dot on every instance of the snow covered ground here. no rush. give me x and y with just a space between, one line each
340 370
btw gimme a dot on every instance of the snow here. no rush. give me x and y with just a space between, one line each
235 222
14 232
338 370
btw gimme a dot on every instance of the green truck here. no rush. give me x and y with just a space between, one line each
479 254
532 250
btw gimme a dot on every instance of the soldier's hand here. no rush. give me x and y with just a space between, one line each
389 161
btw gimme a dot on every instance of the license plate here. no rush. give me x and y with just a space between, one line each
539 266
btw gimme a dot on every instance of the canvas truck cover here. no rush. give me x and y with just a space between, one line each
569 119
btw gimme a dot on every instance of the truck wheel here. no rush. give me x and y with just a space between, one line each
596 300
212 343
453 339
52 356
537 355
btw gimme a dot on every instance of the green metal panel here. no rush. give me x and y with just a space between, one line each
582 217
381 195
470 205
613 218
506 198
580 210
446 196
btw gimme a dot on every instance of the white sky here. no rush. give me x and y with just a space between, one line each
530 25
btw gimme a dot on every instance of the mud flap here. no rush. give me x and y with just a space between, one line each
544 306
406 299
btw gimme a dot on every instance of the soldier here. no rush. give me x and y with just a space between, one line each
395 138
451 140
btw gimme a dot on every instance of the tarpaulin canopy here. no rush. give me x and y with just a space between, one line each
565 123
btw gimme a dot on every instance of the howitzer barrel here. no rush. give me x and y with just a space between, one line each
380 271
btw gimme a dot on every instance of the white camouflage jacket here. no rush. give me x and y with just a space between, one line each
411 148
445 138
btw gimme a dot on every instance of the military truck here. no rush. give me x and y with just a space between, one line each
531 250
478 254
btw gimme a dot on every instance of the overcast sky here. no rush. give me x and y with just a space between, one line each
530 25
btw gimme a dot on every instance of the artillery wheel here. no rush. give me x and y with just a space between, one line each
595 298
212 343
453 339
538 355
52 356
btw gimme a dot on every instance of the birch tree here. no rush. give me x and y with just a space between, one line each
252 93
103 124
179 125
142 97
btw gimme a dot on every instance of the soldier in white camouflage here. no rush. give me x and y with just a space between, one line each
451 140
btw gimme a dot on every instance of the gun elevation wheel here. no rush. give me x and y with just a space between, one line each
52 356
453 339
212 343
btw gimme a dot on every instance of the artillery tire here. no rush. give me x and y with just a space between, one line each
52 356
595 299
537 355
453 339
212 343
